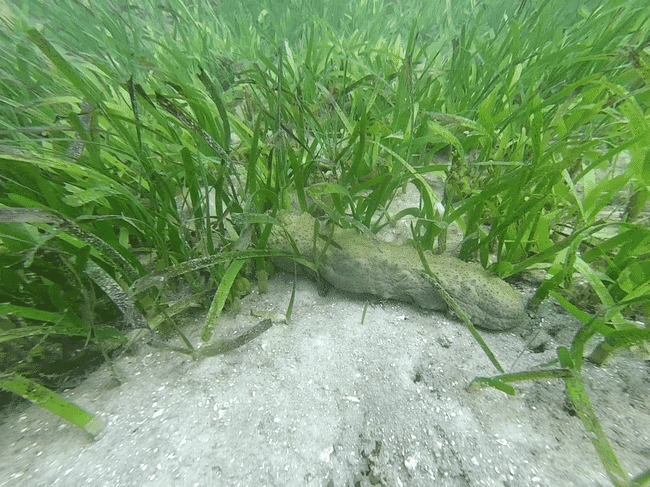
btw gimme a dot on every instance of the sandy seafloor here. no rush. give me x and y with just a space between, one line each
328 401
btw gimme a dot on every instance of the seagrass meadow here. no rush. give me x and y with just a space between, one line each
148 151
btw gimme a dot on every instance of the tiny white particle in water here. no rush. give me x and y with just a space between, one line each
158 413
325 454
411 463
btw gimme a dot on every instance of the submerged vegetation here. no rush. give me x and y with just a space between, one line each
145 149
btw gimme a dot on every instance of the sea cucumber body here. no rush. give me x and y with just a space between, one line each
359 263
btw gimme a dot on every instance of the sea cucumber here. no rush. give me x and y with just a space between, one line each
359 263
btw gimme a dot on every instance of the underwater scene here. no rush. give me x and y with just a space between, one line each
326 244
